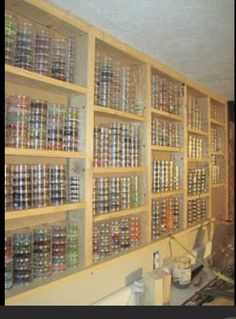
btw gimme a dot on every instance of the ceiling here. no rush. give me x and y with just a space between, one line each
193 37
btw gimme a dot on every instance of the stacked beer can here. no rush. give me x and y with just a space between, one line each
196 210
37 49
166 95
17 119
165 216
23 256
197 181
165 176
25 42
43 50
115 236
10 38
39 251
115 86
42 251
215 170
116 193
37 124
39 185
165 133
117 145
195 146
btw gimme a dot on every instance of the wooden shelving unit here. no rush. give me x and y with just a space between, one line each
89 39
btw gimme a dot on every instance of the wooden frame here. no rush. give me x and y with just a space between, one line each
41 11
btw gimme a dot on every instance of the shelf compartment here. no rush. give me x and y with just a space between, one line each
217 123
190 197
218 185
190 130
42 153
166 115
41 12
121 213
17 214
110 170
167 148
167 194
219 202
120 114
31 79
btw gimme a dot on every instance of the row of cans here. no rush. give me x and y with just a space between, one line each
165 216
116 145
115 85
216 139
195 146
37 124
167 95
197 115
197 210
165 133
38 49
40 251
165 176
197 181
116 236
39 185
217 113
112 194
216 170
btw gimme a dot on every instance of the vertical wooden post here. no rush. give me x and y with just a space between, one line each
185 157
209 156
89 149
148 151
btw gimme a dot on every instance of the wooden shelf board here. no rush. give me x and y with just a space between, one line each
198 160
217 185
124 115
218 153
191 197
167 115
43 153
217 123
35 80
17 214
118 214
108 170
190 130
167 148
166 194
